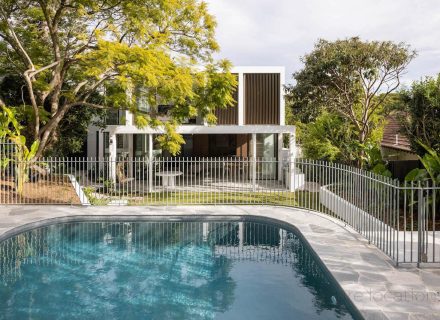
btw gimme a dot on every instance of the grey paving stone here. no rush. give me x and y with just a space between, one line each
424 316
361 269
319 229
374 315
373 259
346 276
397 315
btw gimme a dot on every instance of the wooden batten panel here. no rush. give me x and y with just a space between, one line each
242 145
230 114
262 98
201 145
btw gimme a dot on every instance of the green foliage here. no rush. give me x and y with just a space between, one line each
352 79
171 141
421 119
10 129
374 161
431 164
112 54
329 138
72 132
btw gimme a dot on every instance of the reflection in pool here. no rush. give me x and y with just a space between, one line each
164 270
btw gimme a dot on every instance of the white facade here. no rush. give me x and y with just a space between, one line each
116 139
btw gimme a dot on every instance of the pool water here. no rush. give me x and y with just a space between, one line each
165 270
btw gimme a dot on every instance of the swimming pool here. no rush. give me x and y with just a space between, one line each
206 269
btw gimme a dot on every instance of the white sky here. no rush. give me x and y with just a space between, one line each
279 32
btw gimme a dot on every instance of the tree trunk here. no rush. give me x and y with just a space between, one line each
361 152
47 130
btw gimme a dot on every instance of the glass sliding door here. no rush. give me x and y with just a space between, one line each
267 154
140 142
106 145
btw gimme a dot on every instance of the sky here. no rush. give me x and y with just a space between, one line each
280 32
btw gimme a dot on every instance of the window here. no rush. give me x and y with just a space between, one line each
119 141
187 148
222 145
142 101
106 144
140 145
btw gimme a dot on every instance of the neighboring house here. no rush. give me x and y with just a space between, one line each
396 149
396 145
254 127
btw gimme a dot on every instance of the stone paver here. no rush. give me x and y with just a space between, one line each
376 287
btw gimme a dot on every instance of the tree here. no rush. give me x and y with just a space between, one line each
72 129
351 78
328 138
112 54
421 119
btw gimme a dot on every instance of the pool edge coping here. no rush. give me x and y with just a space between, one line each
191 213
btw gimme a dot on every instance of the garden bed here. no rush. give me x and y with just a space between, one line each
53 190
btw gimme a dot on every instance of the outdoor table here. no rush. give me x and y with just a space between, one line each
169 177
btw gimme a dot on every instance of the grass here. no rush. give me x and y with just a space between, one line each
299 199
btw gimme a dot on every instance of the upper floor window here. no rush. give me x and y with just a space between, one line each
114 117
142 100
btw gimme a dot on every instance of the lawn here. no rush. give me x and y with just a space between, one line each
299 199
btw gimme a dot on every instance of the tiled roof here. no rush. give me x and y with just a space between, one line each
393 136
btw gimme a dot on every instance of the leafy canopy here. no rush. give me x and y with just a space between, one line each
421 119
113 54
350 78
328 138
431 167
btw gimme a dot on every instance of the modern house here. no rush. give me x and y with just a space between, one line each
253 128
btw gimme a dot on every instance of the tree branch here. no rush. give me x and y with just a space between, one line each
15 42
35 72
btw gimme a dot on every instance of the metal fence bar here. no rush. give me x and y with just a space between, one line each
400 219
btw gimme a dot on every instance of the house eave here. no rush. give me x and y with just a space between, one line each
197 129
397 147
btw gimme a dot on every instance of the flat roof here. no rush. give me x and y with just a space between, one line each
258 69
200 129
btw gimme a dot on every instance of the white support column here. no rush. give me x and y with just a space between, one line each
280 156
129 121
254 161
130 144
100 154
240 99
150 163
297 180
292 146
112 156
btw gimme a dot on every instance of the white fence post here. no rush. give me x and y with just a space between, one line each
291 163
112 158
254 161
150 163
